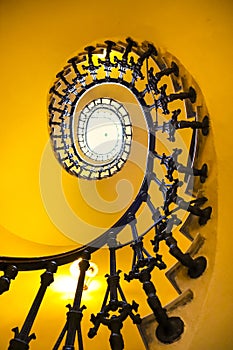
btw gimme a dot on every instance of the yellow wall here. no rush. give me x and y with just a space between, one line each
36 39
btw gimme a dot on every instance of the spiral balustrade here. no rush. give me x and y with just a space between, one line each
93 132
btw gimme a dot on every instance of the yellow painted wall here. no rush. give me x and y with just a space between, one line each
36 38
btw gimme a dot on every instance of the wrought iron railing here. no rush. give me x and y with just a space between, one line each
158 83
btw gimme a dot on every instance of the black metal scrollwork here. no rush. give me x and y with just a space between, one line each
141 69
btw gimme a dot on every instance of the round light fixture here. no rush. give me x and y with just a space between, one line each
104 135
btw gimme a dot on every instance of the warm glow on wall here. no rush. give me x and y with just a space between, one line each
65 284
90 274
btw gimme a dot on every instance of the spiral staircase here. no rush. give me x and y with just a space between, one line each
116 103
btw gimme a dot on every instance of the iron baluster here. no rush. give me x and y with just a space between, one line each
154 79
136 67
202 172
183 124
21 339
80 78
64 99
62 75
169 127
60 120
167 71
193 207
169 329
173 124
75 313
164 99
63 112
171 195
196 266
114 322
91 67
123 63
141 256
172 164
62 334
108 65
70 87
